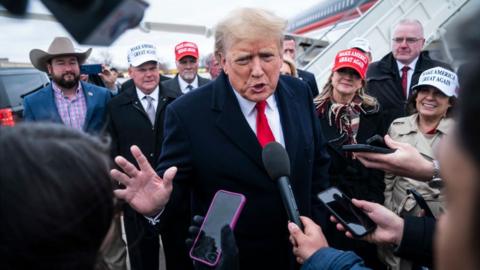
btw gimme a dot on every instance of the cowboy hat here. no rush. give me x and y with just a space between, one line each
60 46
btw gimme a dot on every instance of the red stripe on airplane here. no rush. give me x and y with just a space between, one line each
332 19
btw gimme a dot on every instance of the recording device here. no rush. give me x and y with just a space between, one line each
91 69
98 22
374 144
276 162
421 202
350 216
224 210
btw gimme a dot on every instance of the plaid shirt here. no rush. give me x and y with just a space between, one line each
72 111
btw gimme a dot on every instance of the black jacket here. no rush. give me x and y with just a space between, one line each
355 180
309 78
417 240
208 138
128 124
174 85
384 82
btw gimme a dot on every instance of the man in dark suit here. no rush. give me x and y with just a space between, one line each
136 118
391 78
186 59
290 50
66 100
215 137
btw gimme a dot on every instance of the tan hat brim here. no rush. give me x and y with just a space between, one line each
39 58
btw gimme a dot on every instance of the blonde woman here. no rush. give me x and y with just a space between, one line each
347 116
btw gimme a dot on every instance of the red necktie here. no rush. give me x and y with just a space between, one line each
405 80
264 133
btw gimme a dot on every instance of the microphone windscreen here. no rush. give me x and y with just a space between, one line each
276 161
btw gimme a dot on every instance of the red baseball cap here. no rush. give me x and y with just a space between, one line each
352 58
186 48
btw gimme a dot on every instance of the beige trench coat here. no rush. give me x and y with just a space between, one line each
406 130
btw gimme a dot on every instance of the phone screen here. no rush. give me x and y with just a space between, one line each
353 218
224 209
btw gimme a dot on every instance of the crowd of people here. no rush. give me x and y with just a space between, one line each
109 176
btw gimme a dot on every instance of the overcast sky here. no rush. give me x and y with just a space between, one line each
18 37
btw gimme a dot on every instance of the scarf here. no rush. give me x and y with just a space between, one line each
345 117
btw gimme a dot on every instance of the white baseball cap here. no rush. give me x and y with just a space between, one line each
443 79
141 53
360 43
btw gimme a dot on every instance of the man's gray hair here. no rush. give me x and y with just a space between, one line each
248 24
408 21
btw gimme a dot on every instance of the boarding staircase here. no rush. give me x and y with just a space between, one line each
376 26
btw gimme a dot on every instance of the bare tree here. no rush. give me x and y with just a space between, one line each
106 57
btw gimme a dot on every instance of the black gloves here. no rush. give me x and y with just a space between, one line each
229 256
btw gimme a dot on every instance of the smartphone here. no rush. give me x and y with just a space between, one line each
91 69
421 202
366 148
350 216
224 209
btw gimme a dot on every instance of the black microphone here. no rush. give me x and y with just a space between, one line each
276 162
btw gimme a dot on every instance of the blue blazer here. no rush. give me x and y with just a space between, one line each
40 106
209 140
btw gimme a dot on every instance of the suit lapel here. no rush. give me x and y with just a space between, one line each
91 101
287 107
50 99
176 84
231 121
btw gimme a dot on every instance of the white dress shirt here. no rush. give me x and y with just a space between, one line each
271 111
409 73
183 84
155 219
144 101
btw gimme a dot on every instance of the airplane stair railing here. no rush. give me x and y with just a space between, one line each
376 26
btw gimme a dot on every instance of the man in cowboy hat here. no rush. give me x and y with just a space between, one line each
66 100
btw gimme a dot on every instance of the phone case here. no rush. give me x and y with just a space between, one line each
339 218
233 222
366 148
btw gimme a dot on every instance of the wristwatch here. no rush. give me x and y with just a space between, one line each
436 181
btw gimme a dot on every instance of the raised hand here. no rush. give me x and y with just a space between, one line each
389 225
405 161
307 242
145 191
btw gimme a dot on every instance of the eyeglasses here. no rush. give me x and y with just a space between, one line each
409 40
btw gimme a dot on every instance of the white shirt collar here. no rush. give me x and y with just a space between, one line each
154 94
411 65
248 106
183 84
271 112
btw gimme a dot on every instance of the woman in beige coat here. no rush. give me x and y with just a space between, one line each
431 103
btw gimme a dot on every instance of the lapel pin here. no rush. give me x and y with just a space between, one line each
90 93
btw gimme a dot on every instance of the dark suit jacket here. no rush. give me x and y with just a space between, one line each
384 83
174 85
309 78
40 106
209 140
129 124
355 180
